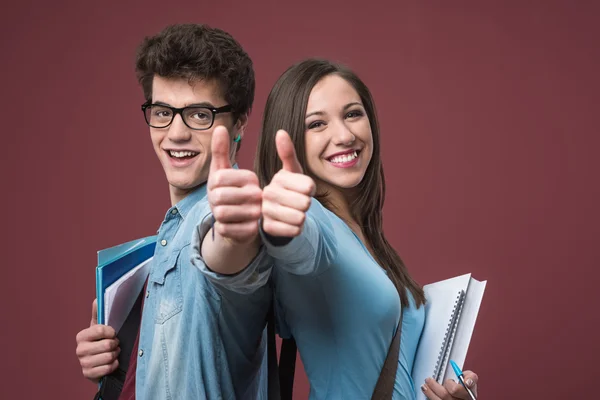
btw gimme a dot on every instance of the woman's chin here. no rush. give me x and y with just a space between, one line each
347 182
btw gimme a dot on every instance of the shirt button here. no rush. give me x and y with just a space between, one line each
174 211
141 353
163 242
147 293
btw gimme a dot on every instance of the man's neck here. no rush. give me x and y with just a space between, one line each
178 194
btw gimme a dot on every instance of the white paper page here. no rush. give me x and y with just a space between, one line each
120 297
466 324
441 297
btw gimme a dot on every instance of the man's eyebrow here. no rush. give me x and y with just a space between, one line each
201 104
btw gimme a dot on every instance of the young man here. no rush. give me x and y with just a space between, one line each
198 339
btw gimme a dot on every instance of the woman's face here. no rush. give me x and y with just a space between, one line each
338 139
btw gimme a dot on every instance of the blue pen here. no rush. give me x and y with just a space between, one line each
461 378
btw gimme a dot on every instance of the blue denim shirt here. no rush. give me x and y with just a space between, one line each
199 339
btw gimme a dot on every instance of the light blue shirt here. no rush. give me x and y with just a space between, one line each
342 310
198 339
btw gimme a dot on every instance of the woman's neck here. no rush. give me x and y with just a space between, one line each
339 200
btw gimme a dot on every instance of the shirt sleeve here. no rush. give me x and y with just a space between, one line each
313 250
247 281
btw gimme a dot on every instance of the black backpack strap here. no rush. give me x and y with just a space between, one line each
111 386
273 376
287 368
281 375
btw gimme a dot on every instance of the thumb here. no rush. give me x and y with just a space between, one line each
94 313
286 152
219 146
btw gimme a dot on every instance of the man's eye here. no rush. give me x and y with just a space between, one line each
201 116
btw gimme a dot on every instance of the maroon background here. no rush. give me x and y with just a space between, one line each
489 135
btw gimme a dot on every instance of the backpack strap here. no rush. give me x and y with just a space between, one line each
384 389
273 376
287 368
281 377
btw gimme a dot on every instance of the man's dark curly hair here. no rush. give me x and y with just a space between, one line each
194 52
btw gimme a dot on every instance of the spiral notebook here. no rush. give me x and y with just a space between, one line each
450 315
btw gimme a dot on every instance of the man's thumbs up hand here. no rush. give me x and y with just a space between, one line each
234 194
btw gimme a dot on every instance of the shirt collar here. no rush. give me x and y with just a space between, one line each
185 205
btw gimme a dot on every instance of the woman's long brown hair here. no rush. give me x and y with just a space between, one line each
286 109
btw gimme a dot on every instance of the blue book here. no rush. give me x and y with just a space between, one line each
117 261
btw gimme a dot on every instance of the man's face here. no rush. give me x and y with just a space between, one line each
184 152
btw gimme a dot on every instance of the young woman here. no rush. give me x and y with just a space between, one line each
340 286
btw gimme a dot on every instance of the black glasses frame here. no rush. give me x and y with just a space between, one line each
175 111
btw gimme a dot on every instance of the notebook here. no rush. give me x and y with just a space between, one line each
121 295
120 275
450 315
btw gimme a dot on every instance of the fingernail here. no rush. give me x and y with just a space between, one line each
469 382
423 388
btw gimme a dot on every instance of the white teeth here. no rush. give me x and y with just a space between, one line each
345 158
180 154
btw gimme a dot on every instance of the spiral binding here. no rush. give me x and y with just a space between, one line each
449 335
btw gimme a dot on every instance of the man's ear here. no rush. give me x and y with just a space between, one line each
240 129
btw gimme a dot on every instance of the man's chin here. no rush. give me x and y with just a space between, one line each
186 184
185 179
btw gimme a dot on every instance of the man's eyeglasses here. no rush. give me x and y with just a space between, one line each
194 117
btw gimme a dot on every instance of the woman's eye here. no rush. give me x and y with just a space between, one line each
354 114
316 124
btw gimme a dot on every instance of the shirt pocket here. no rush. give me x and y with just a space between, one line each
169 295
